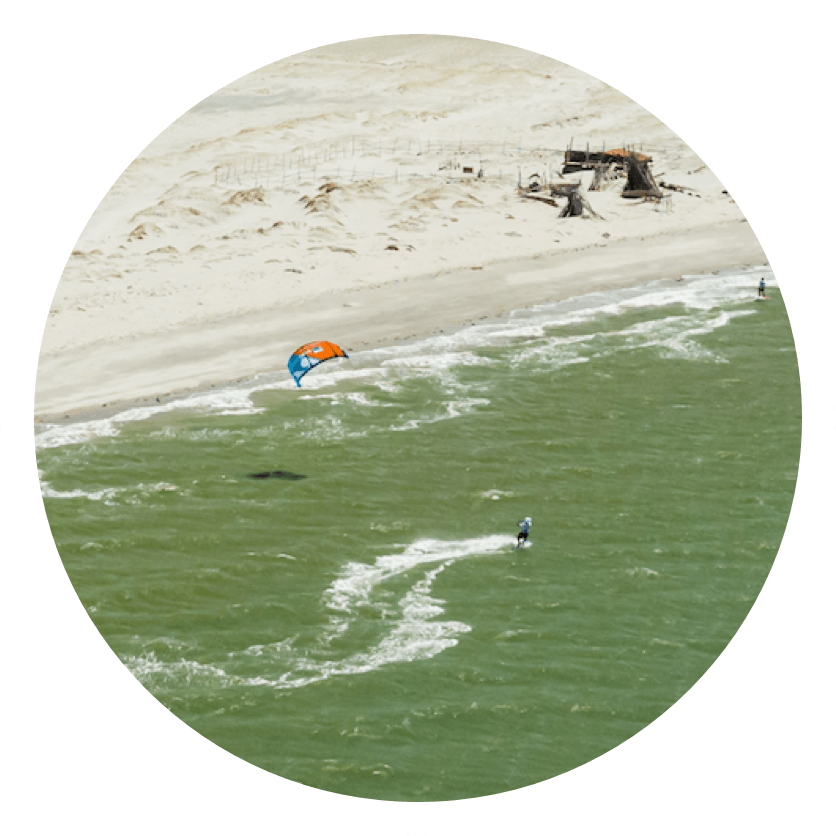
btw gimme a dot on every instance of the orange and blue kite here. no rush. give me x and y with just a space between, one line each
309 355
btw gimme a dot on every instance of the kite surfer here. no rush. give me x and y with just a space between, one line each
762 287
525 526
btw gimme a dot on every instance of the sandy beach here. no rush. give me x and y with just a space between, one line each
336 195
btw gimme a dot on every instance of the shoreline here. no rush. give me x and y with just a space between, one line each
103 379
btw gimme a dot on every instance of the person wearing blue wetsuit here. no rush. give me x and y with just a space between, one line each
762 288
525 526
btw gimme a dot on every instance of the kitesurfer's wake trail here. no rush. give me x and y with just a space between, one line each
411 631
360 594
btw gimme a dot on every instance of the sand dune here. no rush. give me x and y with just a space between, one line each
341 173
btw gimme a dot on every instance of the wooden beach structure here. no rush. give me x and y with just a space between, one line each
640 182
587 159
610 165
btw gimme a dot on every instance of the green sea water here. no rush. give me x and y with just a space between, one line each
368 629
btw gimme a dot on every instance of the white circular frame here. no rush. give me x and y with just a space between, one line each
632 756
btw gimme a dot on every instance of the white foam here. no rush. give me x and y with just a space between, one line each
702 293
436 361
452 409
106 494
414 634
150 671
495 494
56 435
439 355
674 334
337 398
642 570
351 588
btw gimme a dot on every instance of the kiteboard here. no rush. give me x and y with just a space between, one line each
525 544
758 298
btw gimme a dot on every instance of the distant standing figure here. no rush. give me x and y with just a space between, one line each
525 526
762 287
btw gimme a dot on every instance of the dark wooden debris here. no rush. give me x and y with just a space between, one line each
541 198
683 189
640 182
605 172
563 189
574 207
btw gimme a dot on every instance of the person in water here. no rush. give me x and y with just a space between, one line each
762 287
525 526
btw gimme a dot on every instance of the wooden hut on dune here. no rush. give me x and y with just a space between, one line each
580 160
610 165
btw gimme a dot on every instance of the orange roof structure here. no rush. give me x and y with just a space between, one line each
620 152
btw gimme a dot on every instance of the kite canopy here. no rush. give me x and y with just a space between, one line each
309 355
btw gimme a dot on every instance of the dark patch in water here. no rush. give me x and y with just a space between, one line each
277 474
